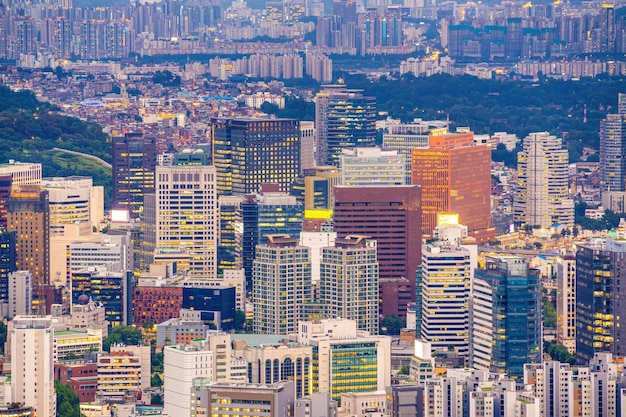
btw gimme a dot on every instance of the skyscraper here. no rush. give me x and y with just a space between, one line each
349 281
600 268
186 216
391 216
29 218
612 151
446 275
32 364
542 196
281 282
515 311
566 302
250 152
343 119
227 255
134 161
264 215
455 177
315 190
5 191
8 258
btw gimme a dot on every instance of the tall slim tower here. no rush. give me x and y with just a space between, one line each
343 119
542 196
455 176
29 218
32 364
349 281
446 274
250 152
281 283
187 217
612 151
600 268
566 302
134 162
8 258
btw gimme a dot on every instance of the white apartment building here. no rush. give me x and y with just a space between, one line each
181 364
362 167
74 200
542 195
22 173
317 241
281 282
20 293
349 278
32 364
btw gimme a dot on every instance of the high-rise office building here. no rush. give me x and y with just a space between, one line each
5 192
29 218
22 173
32 364
113 289
281 283
74 200
455 177
406 136
228 257
542 195
345 359
391 216
446 274
600 268
515 310
250 152
263 215
566 302
361 167
612 151
307 145
186 216
315 188
20 293
134 161
8 257
343 119
348 283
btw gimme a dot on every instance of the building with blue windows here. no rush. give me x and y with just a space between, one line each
214 306
506 316
7 261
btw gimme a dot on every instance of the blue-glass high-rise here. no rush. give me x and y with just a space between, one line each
7 261
516 313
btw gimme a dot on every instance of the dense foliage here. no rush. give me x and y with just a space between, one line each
30 130
609 221
488 106
127 335
560 353
68 404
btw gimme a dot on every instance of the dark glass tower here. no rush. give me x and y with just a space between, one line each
7 260
343 119
134 162
250 152
600 305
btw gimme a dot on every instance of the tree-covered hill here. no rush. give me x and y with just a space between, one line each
30 130
489 106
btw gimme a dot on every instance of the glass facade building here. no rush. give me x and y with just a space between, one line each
600 268
343 119
7 261
113 289
516 313
250 152
134 162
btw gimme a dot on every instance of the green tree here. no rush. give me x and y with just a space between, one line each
392 324
560 353
127 335
155 380
240 320
156 360
405 370
68 404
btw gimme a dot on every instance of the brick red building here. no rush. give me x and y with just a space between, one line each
156 304
83 379
392 216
